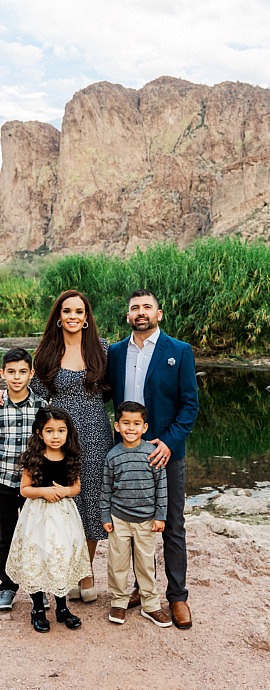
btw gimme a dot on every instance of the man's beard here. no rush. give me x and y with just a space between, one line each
146 326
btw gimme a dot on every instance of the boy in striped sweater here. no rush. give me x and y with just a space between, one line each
133 508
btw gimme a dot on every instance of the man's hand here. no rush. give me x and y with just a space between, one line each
161 455
108 526
158 526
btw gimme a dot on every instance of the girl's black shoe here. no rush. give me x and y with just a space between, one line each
39 621
65 616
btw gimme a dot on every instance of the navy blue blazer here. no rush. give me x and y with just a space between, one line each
170 390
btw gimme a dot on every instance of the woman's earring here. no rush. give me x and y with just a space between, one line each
85 325
59 323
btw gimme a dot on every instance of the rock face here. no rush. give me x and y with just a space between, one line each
27 185
171 161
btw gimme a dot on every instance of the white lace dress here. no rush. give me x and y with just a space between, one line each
48 550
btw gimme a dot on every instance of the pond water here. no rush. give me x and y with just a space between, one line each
12 328
230 443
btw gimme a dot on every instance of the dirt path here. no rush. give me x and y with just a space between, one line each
228 647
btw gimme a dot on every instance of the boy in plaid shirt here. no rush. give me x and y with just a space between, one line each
17 414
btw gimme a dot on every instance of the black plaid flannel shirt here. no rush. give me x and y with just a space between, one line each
15 428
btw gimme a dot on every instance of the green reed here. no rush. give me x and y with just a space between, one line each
215 293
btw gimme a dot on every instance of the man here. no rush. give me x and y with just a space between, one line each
158 371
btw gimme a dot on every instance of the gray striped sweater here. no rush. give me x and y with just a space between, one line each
132 490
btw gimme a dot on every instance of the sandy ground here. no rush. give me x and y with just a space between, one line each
228 647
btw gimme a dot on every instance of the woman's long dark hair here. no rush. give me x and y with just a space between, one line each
33 457
51 348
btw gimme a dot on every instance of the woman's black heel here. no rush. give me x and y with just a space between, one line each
65 616
39 621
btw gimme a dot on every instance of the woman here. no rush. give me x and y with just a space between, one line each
70 365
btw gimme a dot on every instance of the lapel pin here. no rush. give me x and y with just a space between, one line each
171 361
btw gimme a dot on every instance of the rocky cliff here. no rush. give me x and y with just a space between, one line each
27 185
171 161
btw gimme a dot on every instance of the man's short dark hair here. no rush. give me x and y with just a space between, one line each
16 354
144 293
129 406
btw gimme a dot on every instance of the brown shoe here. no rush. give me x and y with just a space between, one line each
117 615
158 617
134 598
181 614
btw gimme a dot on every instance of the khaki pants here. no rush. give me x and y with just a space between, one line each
119 561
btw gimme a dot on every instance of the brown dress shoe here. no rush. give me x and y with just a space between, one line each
181 615
134 598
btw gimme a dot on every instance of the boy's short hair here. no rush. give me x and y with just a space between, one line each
16 354
129 406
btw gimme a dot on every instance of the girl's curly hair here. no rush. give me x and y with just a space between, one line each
33 458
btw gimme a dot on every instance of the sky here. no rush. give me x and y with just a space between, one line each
49 49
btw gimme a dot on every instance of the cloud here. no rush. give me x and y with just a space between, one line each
52 49
20 53
18 104
22 59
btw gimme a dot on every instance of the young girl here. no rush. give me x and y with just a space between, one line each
49 551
